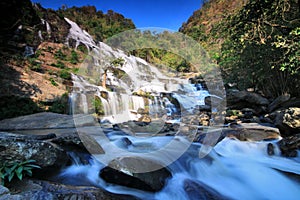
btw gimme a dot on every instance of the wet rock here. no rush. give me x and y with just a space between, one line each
290 145
14 147
270 149
198 190
136 173
6 195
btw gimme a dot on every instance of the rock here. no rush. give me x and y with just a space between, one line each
6 195
15 148
289 145
244 99
292 102
145 119
198 190
243 132
288 120
3 190
270 149
136 173
206 108
37 189
46 120
252 132
278 102
204 119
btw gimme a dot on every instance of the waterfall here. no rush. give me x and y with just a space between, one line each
233 169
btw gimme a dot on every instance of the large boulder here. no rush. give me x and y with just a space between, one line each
136 173
290 145
46 120
18 148
277 103
287 120
201 191
243 99
243 132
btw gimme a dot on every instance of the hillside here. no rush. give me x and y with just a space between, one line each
255 43
207 24
38 55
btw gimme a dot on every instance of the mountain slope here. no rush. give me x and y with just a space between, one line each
207 24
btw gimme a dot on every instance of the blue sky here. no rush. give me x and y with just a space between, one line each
168 14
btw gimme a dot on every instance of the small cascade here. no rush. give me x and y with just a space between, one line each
137 102
170 107
28 51
84 103
79 35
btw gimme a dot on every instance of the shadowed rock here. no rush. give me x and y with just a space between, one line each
123 171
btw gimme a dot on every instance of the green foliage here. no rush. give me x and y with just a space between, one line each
75 70
16 169
65 74
59 64
255 43
74 57
34 65
160 48
262 50
98 24
60 55
53 82
13 106
97 103
118 62
83 48
60 104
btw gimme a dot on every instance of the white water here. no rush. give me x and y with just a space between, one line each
235 169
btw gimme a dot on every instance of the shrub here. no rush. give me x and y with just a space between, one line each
59 64
60 55
74 57
64 74
53 82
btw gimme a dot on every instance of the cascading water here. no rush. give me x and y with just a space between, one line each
232 170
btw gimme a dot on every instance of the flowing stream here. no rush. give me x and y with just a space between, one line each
235 169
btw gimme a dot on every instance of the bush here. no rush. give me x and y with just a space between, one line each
59 64
60 55
53 82
74 57
64 74
60 105
14 106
